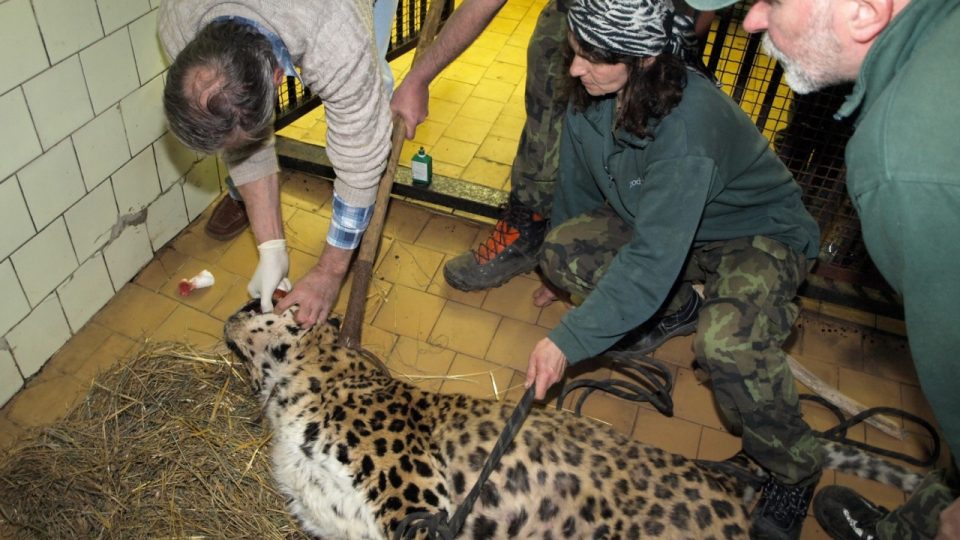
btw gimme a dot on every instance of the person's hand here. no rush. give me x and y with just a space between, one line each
315 293
950 522
271 273
546 366
410 103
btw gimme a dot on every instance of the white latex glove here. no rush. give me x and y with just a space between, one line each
271 273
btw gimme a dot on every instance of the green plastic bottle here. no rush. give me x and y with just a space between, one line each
422 167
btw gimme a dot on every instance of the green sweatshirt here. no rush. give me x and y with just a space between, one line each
708 175
903 175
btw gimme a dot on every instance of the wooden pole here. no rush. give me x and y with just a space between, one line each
363 266
843 402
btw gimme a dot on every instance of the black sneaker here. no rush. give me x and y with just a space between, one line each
512 249
844 514
780 512
649 336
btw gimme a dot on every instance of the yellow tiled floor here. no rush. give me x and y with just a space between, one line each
441 338
447 340
476 105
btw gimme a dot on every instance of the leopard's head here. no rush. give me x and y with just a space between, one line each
272 345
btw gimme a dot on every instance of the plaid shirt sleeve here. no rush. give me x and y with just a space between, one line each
347 224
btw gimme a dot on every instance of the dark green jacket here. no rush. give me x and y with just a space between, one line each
708 175
903 175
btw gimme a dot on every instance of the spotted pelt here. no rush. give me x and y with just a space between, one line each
356 451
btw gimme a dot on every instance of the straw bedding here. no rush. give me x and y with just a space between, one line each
167 444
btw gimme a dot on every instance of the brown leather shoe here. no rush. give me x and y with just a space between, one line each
227 220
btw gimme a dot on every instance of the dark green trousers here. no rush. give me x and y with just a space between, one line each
750 286
534 169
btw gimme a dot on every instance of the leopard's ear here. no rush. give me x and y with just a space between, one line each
329 331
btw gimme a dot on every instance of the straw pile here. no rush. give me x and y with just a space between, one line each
167 445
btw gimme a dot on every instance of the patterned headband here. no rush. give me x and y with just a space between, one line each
631 27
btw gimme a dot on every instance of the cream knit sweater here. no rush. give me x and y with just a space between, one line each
332 42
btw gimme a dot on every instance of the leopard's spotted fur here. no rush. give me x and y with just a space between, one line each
356 452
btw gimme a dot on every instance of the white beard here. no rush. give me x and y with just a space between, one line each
815 64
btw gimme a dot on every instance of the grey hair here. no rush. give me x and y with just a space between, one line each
220 90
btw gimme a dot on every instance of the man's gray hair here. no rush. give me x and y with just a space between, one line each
220 90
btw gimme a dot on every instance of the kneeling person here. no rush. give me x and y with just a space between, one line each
663 180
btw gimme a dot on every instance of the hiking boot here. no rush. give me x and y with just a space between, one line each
844 514
228 219
654 333
780 512
512 248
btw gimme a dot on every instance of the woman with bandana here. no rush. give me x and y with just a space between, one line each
664 180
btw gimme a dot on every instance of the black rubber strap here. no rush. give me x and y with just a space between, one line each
437 524
838 432
647 379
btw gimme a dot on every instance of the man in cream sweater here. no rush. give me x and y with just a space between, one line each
228 60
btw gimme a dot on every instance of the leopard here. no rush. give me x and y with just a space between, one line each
356 451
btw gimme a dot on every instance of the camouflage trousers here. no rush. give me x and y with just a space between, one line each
534 169
919 516
750 285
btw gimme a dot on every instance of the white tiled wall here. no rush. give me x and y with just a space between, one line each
91 182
